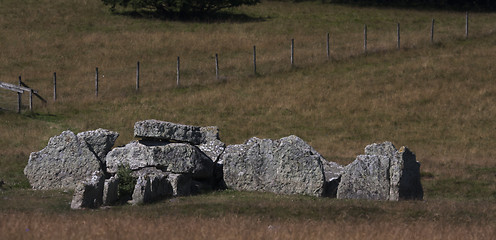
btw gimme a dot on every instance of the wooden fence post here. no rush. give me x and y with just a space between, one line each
432 31
19 98
54 86
398 31
466 25
178 71
292 52
217 66
365 39
255 60
328 47
31 100
21 84
137 75
96 82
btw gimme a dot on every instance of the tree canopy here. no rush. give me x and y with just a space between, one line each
179 6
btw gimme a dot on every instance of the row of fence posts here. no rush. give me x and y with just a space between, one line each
399 36
217 71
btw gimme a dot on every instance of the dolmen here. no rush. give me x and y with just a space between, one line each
382 173
169 160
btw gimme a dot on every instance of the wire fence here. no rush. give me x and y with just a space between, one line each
9 100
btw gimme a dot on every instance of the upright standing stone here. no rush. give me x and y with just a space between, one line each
286 166
99 141
383 174
383 149
366 178
151 185
181 184
89 193
111 191
65 161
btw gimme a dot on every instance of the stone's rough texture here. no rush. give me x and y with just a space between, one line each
384 149
151 185
181 184
111 191
65 161
384 174
169 157
213 149
154 129
366 178
286 166
332 173
142 190
404 171
89 193
209 133
134 154
332 170
99 141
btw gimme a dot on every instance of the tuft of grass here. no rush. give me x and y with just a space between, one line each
126 183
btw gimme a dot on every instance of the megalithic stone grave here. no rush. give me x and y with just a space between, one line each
170 159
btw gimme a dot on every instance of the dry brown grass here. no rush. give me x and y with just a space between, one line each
258 216
234 215
89 226
436 99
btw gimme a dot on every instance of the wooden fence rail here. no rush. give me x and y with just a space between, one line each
20 89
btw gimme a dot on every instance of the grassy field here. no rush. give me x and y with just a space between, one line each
438 99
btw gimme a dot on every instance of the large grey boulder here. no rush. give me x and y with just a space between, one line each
366 178
385 173
383 149
65 161
151 185
161 130
89 193
285 166
169 157
111 191
100 141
